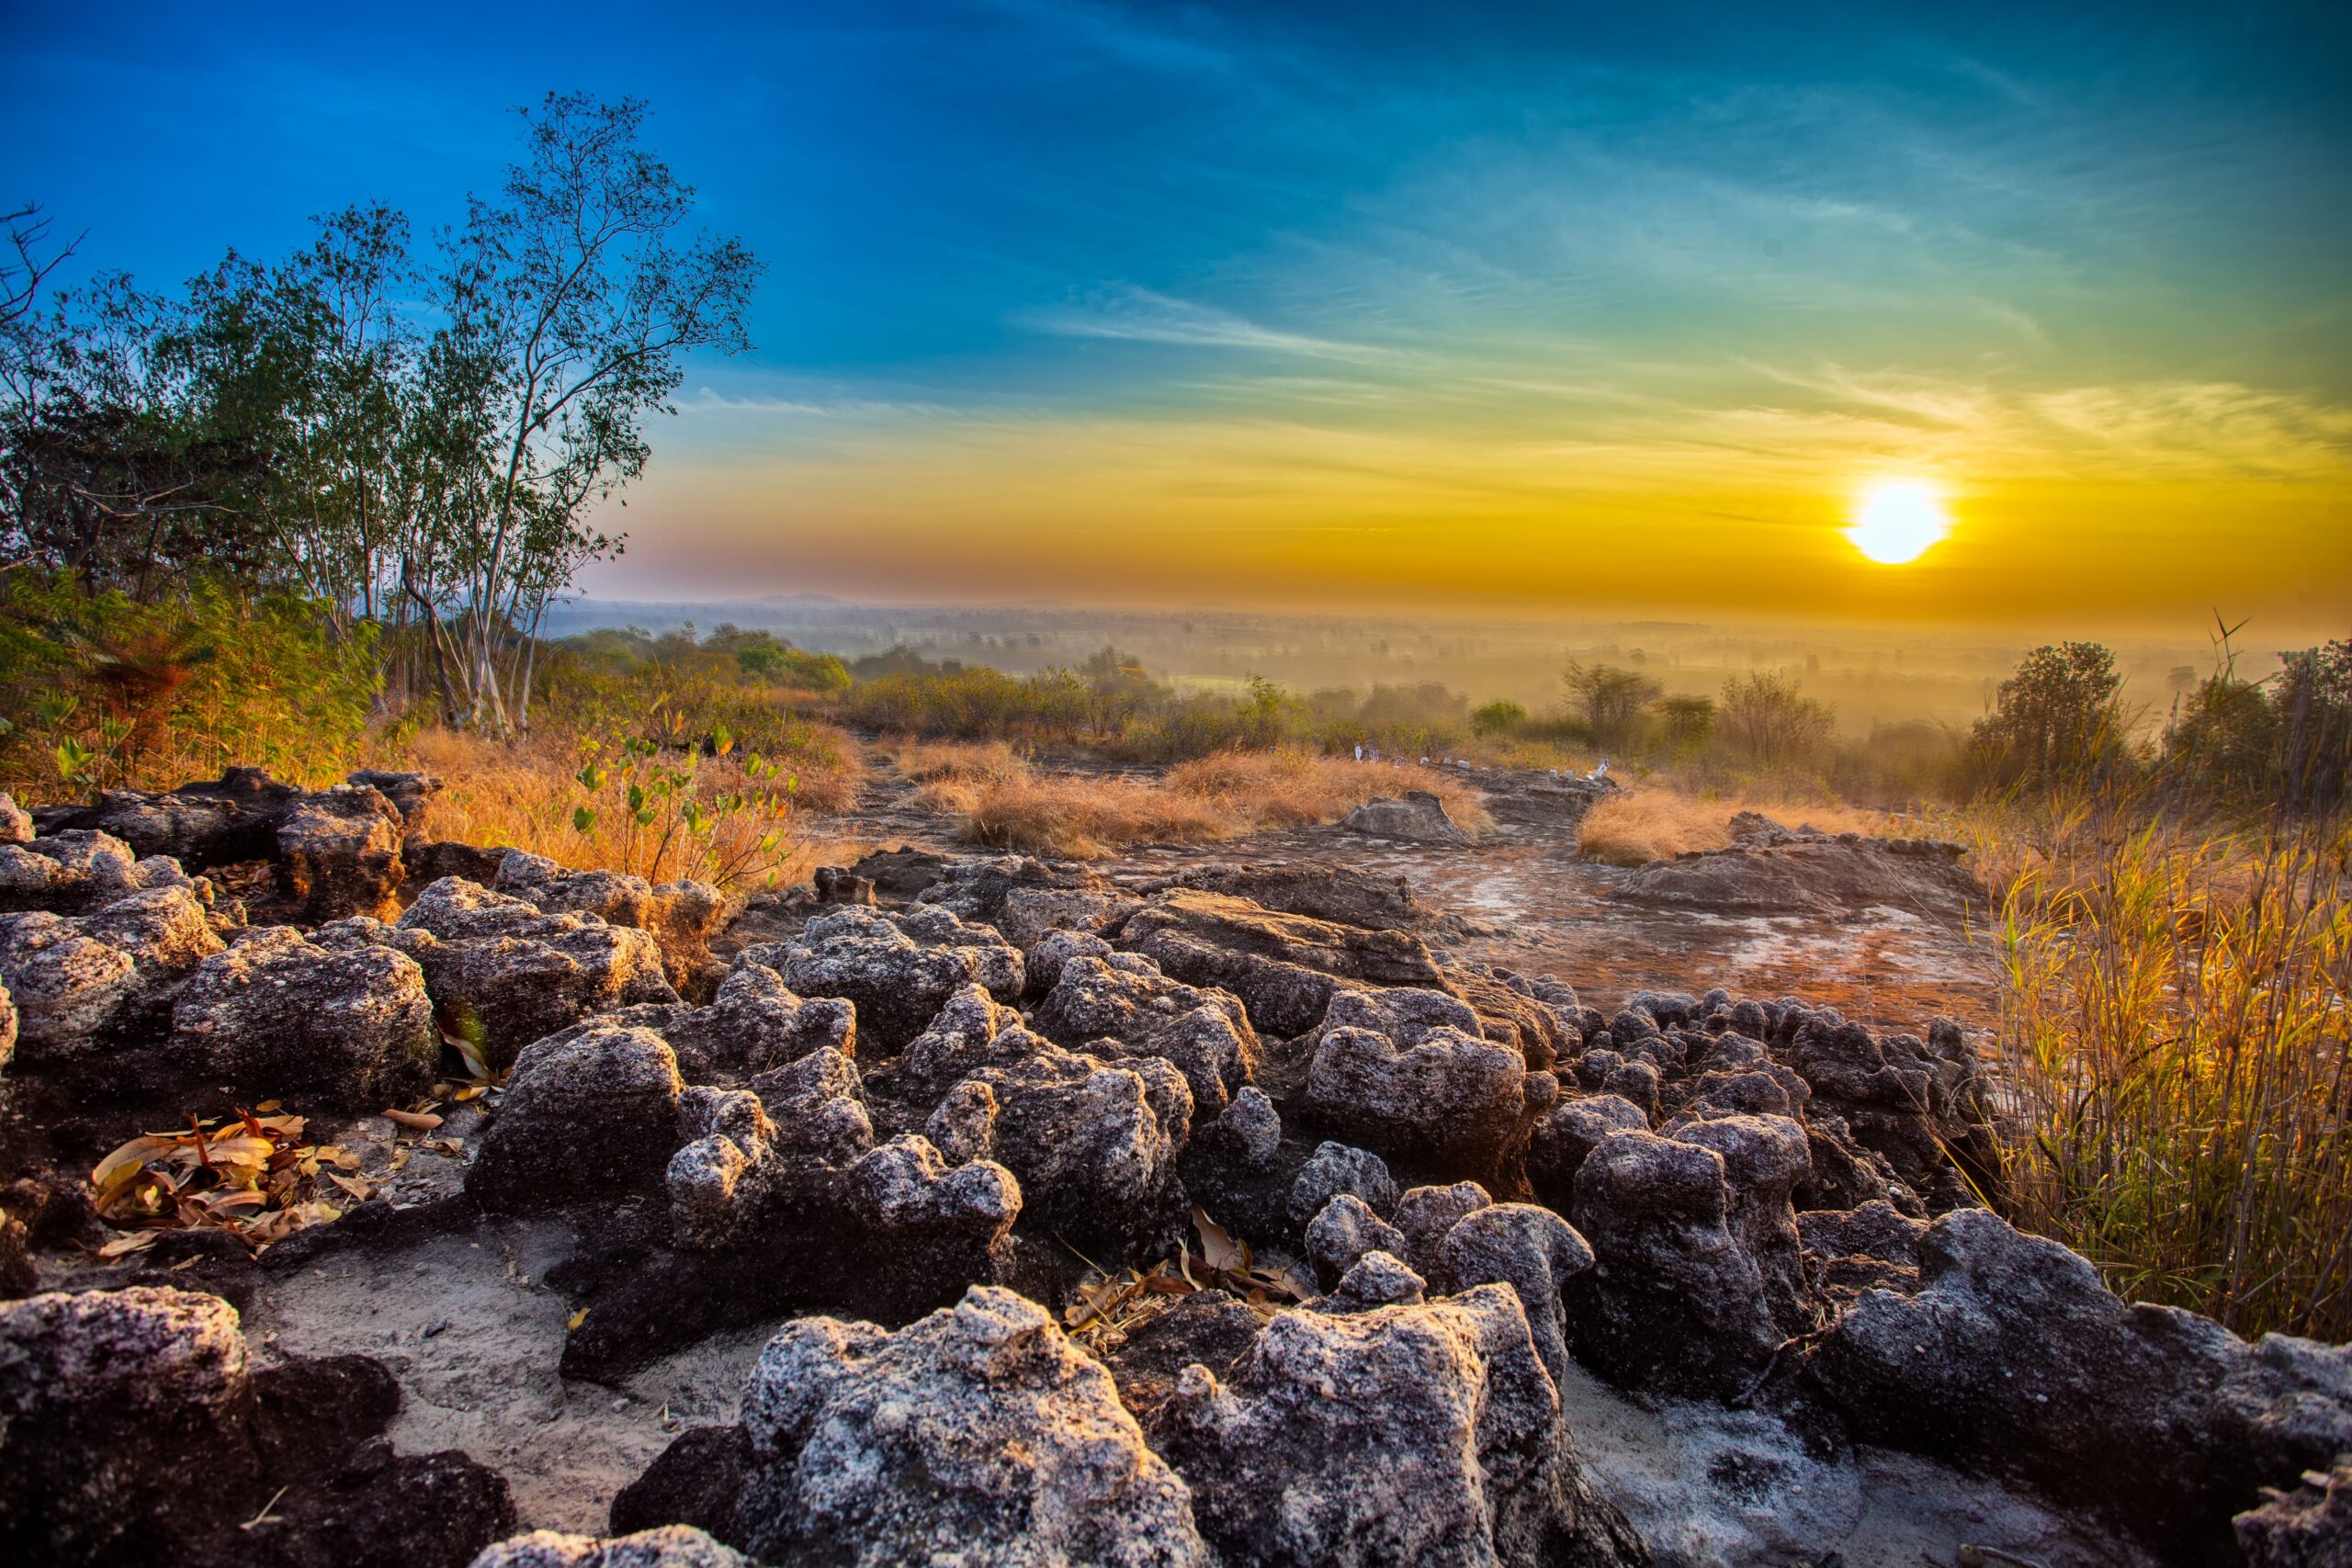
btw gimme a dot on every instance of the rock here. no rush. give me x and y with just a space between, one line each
1675 1303
110 1401
1284 967
1425 1216
76 873
1122 1005
2310 1526
670 1546
1408 1433
1343 1233
79 980
1812 874
1335 1168
16 824
1570 1130
1511 1012
898 969
1448 1104
339 853
683 916
1254 1127
1917 1102
231 819
502 974
2013 1358
1374 1280
430 860
1874 1247
693 1482
589 1112
409 792
279 1017
8 1029
900 874
1418 817
982 890
755 1024
978 1435
1529 1248
1339 893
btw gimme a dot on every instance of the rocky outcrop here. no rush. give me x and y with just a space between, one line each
1122 1005
80 872
755 1024
338 853
1417 817
80 981
898 969
277 1017
1284 967
1779 872
2013 1358
589 1111
1426 1433
979 1435
682 916
1447 1102
2307 1526
670 1546
1340 894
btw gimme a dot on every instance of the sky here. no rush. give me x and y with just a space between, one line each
1551 309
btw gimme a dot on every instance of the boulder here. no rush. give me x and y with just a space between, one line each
110 1401
1122 1005
202 825
1343 1233
1335 1168
1448 1103
2307 1527
2012 1357
898 969
1341 894
589 1112
1812 874
79 872
1417 817
755 1024
978 1435
7 1028
279 1017
16 823
78 981
1569 1131
982 890
1407 1433
338 853
683 916
1284 967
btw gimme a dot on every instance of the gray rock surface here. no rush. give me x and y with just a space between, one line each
279 1017
1283 966
1417 815
1447 1102
670 1546
590 1111
897 968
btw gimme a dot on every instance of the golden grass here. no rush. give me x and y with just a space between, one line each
526 796
1639 826
1007 805
928 762
2174 1042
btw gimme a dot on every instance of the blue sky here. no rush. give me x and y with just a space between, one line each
1226 282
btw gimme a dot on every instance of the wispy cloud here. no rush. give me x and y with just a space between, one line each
1143 315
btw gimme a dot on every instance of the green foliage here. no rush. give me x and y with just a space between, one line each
101 691
1501 717
1612 700
2057 722
663 814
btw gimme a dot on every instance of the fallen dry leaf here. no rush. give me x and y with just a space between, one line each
1218 1249
416 1120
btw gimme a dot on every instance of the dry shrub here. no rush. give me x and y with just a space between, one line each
1637 827
1007 805
926 761
527 796
2174 1045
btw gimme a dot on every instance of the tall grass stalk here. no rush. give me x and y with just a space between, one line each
2173 1040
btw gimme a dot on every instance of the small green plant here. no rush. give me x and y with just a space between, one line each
664 808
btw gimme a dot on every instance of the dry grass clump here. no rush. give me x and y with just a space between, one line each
929 761
530 796
1007 805
2174 1038
1637 827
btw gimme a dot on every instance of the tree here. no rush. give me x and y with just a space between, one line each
1690 724
1500 717
1768 721
1610 699
2311 699
573 302
2058 719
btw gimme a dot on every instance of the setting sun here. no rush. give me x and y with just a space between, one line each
1897 524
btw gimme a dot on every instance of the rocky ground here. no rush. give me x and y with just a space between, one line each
1330 1198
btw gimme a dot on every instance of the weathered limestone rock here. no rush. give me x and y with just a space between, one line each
683 916
1284 967
1335 1168
1404 1433
1343 1233
1418 816
78 981
279 1017
1568 1132
76 873
339 853
978 1435
1341 894
590 1111
1123 1006
1448 1102
898 969
1811 873
755 1024
2012 1357
2309 1527
670 1546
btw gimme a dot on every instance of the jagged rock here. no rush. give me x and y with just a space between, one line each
1339 893
110 1401
1418 816
1021 896
2309 1527
1570 1130
755 1024
409 792
1284 967
231 819
1874 1247
79 872
669 1546
1676 1302
1374 1280
2012 1357
276 1017
1916 1101
1335 1168
591 1111
1529 1248
1408 1433
502 973
1426 1215
339 853
1510 1010
683 916
1812 874
76 980
1448 1102
1253 1127
16 823
1123 1006
1343 1233
978 1435
899 969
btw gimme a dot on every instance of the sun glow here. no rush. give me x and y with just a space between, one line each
1899 522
